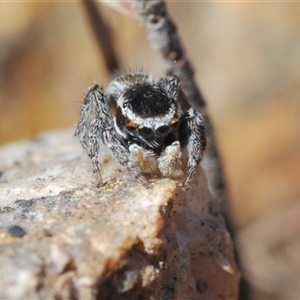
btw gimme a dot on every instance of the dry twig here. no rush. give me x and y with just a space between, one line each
164 37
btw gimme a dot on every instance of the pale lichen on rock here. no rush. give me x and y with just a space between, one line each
126 240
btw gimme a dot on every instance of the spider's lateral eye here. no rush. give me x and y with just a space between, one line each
125 104
162 129
130 128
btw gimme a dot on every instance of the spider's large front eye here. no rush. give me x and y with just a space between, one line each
162 130
146 132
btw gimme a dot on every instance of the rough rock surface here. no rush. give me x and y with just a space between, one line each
61 237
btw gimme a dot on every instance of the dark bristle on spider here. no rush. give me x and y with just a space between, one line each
145 126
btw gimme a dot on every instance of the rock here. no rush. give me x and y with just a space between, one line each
61 237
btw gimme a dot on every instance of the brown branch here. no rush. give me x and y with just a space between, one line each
164 37
102 34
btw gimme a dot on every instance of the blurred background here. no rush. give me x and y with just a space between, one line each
247 61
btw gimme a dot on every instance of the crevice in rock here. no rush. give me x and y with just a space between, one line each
137 277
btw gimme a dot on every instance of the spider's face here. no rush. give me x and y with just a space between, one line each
146 114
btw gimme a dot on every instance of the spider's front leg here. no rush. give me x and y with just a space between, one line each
192 133
90 138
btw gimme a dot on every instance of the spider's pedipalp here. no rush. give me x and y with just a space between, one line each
170 159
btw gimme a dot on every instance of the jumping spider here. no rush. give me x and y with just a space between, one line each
144 125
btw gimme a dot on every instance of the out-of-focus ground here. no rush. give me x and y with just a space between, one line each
247 62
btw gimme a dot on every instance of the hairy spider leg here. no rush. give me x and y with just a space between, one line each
81 129
196 142
94 98
100 128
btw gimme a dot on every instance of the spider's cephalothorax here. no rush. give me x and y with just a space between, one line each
144 126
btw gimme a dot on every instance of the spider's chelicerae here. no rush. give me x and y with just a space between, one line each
144 125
